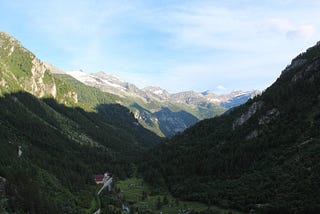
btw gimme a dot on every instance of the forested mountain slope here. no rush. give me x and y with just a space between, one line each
262 156
158 110
55 137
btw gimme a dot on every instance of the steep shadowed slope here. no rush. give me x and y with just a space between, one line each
149 103
262 156
55 136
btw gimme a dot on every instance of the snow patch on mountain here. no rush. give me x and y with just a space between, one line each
113 84
80 75
158 92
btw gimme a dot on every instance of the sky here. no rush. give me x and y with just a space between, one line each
178 45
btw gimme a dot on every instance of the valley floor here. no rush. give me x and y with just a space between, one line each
135 194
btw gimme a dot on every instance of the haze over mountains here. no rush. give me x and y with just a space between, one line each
155 107
113 84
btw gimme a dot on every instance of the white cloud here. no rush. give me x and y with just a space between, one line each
206 26
304 31
194 44
221 88
290 29
279 25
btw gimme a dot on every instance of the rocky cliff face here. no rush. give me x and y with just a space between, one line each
247 115
45 143
22 71
37 84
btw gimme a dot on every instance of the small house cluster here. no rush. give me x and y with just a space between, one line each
99 179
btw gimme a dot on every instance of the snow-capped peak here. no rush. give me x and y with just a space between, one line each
109 77
79 75
157 92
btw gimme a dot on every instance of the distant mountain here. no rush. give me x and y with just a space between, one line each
237 98
56 134
157 92
260 157
148 103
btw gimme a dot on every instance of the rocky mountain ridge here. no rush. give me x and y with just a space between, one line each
178 110
21 70
113 84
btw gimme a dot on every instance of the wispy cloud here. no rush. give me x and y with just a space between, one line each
221 88
204 26
305 31
177 44
291 29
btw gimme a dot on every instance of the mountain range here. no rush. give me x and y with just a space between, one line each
57 132
160 111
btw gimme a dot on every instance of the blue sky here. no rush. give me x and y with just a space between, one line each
175 44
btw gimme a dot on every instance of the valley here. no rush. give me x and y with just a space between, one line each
156 109
187 152
138 196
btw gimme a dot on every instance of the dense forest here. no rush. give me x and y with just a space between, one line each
260 157
57 133
62 149
55 136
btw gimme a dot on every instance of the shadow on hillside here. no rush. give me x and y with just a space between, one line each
62 149
112 125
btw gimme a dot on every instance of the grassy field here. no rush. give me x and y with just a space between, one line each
136 193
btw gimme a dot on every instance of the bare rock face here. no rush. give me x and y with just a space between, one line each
42 83
72 95
3 182
269 116
39 87
253 134
31 74
246 116
3 83
309 70
35 79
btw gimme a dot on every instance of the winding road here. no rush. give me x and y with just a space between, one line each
106 183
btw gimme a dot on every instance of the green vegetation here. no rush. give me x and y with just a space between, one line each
149 115
15 64
88 97
62 148
17 59
65 137
140 197
154 114
260 157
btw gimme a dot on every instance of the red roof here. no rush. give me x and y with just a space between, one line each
98 178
